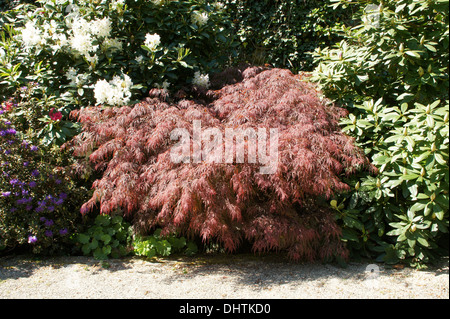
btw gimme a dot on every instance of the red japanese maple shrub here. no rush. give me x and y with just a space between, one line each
227 202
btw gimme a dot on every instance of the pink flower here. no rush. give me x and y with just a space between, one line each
55 116
7 106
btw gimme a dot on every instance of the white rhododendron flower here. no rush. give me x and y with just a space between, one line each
140 59
113 44
152 41
199 19
82 43
115 4
116 92
101 28
201 80
75 78
31 36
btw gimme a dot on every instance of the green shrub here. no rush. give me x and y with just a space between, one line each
159 245
108 236
391 73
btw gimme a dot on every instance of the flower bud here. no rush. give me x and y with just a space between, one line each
422 172
405 131
413 228
446 118
433 147
357 186
401 48
429 69
421 71
422 40
378 183
428 109
433 197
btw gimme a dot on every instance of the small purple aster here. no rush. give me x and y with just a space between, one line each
49 223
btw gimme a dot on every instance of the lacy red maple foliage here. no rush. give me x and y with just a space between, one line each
131 146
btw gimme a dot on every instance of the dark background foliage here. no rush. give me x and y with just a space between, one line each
283 32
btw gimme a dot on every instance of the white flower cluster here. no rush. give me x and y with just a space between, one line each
218 5
200 19
31 36
201 80
84 34
115 92
76 79
81 37
116 4
152 41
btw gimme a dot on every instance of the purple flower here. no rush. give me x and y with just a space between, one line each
63 231
35 173
42 219
11 131
33 148
14 181
29 207
59 202
63 195
39 209
6 194
49 223
32 239
50 208
26 163
32 184
48 233
58 181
